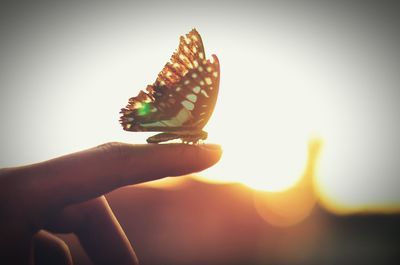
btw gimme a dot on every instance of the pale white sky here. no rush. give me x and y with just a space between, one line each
288 71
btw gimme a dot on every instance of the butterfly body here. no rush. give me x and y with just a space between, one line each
185 136
181 100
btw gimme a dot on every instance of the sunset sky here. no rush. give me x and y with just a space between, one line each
290 73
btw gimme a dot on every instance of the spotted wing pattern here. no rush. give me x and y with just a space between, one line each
182 98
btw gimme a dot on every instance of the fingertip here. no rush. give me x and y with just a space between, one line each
213 147
212 151
199 157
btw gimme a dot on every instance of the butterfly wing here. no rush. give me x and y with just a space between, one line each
187 56
183 96
200 92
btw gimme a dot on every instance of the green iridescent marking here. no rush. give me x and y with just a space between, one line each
144 109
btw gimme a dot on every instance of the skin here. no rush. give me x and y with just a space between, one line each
65 195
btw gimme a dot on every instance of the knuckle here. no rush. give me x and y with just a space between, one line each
114 150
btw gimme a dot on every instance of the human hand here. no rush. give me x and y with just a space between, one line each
65 195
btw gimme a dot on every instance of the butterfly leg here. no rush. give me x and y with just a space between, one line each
193 138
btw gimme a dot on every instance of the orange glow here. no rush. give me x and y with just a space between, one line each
284 209
292 205
275 164
295 204
263 127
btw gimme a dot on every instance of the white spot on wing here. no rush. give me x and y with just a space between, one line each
188 105
177 121
188 41
196 89
204 93
192 97
183 116
153 124
137 105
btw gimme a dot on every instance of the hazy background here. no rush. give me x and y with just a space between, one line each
290 71
308 117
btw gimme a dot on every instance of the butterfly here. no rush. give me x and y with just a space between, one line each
181 100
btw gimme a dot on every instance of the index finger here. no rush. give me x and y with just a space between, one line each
88 174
